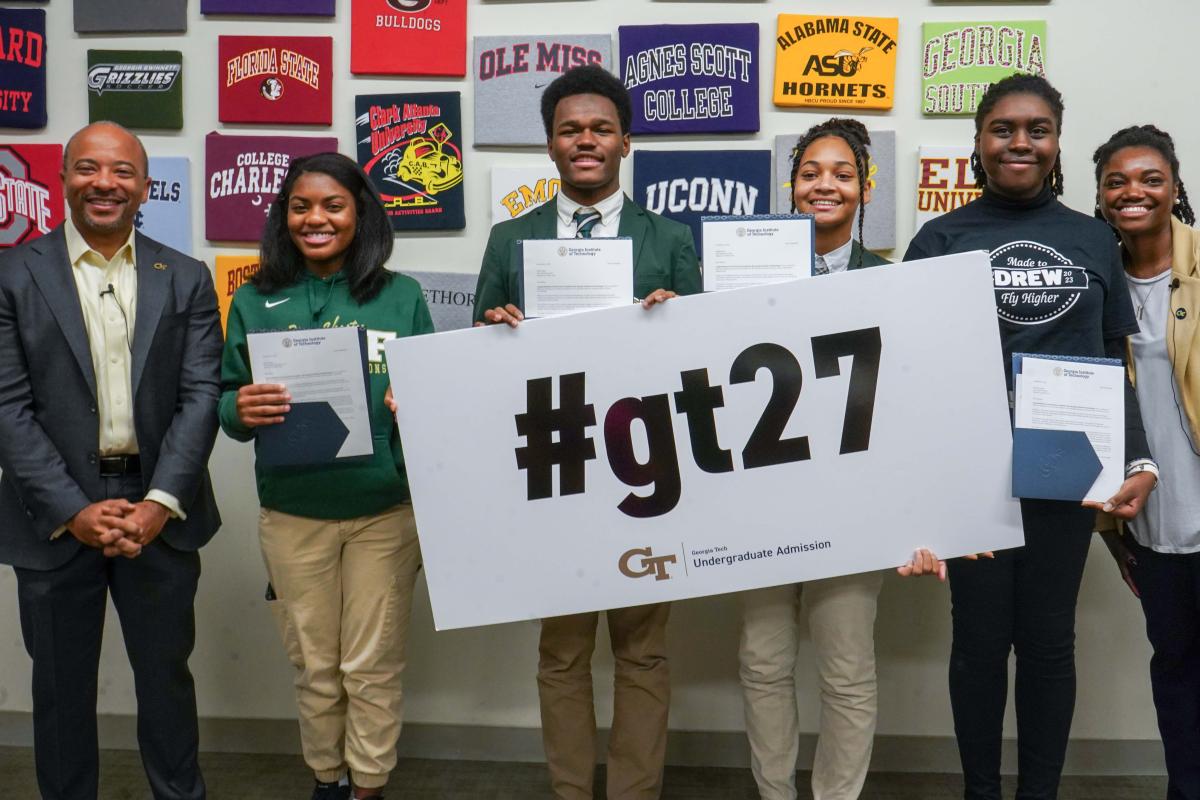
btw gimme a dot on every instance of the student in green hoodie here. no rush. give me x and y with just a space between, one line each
339 540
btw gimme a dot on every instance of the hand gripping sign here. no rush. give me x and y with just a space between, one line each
712 444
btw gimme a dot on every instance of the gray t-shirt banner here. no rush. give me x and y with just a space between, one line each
130 16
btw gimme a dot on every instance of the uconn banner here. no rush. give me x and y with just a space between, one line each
685 185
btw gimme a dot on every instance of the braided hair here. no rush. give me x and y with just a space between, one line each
855 135
1020 83
1155 139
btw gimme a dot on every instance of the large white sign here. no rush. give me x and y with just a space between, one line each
712 444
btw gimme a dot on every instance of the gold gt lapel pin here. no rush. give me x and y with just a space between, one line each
159 265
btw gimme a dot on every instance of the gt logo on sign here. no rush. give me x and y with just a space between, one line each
651 564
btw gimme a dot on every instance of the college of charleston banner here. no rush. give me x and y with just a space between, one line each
691 78
242 175
137 88
511 72
280 8
22 68
31 197
166 216
835 62
275 79
411 147
686 185
408 37
130 16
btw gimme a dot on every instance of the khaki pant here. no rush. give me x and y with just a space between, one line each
841 620
637 744
344 590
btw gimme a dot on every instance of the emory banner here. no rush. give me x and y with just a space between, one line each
822 427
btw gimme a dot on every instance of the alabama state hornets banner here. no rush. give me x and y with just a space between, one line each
411 146
275 79
31 197
408 37
22 68
137 88
835 62
281 8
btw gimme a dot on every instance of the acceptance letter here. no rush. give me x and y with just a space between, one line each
561 276
756 250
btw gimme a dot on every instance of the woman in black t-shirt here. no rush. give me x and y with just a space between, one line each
1059 290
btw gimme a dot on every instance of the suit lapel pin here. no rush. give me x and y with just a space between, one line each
159 265
1181 313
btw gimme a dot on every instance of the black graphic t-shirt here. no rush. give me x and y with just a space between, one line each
1060 286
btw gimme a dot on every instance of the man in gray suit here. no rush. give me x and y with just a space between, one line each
110 349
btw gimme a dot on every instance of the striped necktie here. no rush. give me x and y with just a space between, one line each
585 220
819 266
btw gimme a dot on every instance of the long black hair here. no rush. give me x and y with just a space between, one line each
1021 83
281 263
855 135
1156 139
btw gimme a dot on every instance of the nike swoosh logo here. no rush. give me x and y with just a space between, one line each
277 302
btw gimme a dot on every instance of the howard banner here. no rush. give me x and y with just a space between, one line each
627 456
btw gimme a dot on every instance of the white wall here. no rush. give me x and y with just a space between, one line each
1115 63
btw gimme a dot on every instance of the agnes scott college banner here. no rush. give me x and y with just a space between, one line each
242 175
316 8
22 68
691 78
279 79
408 37
590 491
137 88
130 16
686 185
961 60
31 197
512 71
411 147
166 216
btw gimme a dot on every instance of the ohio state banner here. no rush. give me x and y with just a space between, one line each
275 79
31 197
411 147
22 68
835 62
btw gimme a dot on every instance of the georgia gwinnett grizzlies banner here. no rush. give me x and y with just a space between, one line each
276 79
130 16
685 185
944 180
408 37
691 78
280 8
166 216
518 190
242 175
22 68
31 196
512 71
960 60
137 88
879 223
601 480
835 62
411 147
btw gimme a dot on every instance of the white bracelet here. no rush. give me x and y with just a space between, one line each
1142 465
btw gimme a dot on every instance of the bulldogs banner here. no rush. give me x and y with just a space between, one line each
31 196
512 71
879 222
685 185
130 16
166 216
518 190
137 88
410 146
22 68
835 62
242 175
735 458
408 37
691 78
315 8
960 60
275 79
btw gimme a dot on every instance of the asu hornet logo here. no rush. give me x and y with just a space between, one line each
842 64
411 6
132 77
650 564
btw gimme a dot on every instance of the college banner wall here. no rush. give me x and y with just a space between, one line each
518 190
166 216
23 68
791 442
411 147
137 88
835 62
691 78
242 175
275 79
512 71
31 195
879 223
960 60
944 180
130 16
408 37
231 272
685 185
450 297
280 8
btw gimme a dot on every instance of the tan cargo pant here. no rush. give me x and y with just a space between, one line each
344 596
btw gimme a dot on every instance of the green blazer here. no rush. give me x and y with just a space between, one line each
664 256
869 259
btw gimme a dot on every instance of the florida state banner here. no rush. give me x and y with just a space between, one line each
411 146
22 68
275 79
408 37
31 198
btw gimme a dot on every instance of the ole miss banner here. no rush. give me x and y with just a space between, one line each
275 79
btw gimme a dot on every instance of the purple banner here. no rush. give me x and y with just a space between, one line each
295 8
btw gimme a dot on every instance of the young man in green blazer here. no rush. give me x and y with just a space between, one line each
587 114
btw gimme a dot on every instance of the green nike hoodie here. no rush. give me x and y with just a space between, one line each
330 491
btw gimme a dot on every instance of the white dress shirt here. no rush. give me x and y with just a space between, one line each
610 215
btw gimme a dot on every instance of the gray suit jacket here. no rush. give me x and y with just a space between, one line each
49 431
